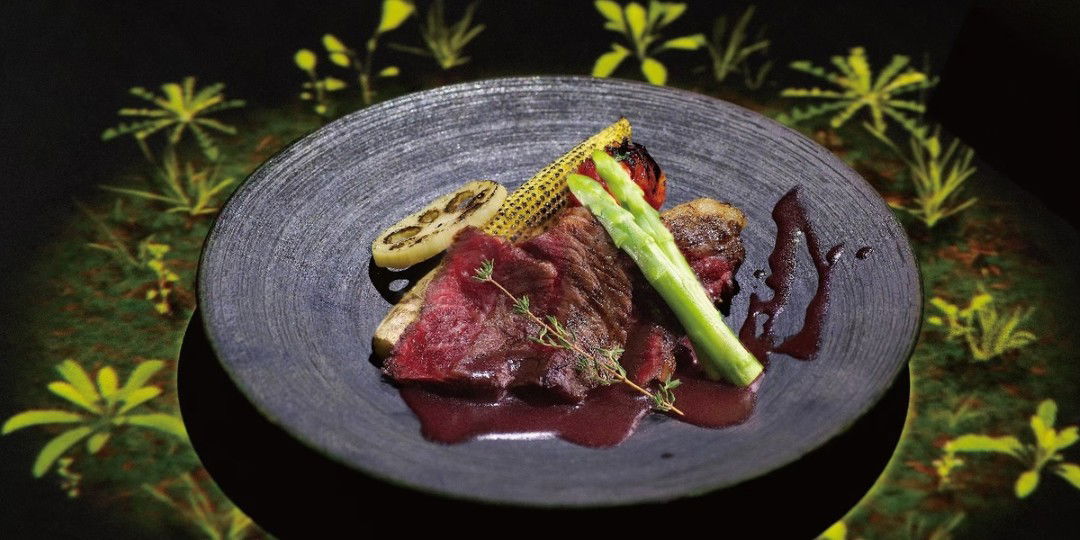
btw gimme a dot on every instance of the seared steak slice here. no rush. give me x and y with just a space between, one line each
468 338
707 232
650 353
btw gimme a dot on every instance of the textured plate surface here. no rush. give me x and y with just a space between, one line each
290 308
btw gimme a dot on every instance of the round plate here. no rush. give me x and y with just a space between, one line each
290 306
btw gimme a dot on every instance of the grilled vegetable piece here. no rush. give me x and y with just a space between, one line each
529 208
522 216
636 230
431 229
401 316
641 166
629 195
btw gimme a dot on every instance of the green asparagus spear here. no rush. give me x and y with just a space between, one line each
630 196
721 353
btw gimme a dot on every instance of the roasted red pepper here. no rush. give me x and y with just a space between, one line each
643 170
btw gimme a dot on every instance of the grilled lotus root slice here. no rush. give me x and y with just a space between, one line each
429 231
523 215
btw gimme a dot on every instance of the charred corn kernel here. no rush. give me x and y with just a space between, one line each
528 209
430 230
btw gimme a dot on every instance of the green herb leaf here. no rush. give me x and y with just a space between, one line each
654 71
333 44
1070 472
607 63
333 84
484 271
68 392
138 397
73 373
636 17
688 43
96 442
837 531
305 59
672 11
139 376
611 11
56 448
37 417
161 422
1026 483
394 13
983 443
521 305
1045 436
1066 438
108 383
340 59
1048 412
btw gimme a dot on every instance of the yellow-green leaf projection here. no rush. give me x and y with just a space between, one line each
185 189
104 408
641 28
394 14
180 108
858 89
988 332
938 177
445 42
731 51
1045 452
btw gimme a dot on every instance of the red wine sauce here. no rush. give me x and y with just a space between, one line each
791 226
610 414
713 404
606 417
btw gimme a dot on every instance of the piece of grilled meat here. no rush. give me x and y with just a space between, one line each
468 339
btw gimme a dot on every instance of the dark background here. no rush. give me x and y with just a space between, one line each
1009 72
1009 87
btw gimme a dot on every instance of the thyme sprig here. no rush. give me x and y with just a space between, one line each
666 392
602 366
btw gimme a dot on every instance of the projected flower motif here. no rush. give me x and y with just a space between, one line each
1045 453
859 89
109 406
180 108
641 28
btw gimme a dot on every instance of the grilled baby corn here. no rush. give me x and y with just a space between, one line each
530 207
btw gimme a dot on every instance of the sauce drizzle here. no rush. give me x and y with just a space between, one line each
610 414
791 226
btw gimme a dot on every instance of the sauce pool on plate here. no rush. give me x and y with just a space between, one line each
609 414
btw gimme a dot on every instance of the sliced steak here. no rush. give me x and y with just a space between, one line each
707 232
468 338
650 352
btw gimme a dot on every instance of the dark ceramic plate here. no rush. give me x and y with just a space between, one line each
290 303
